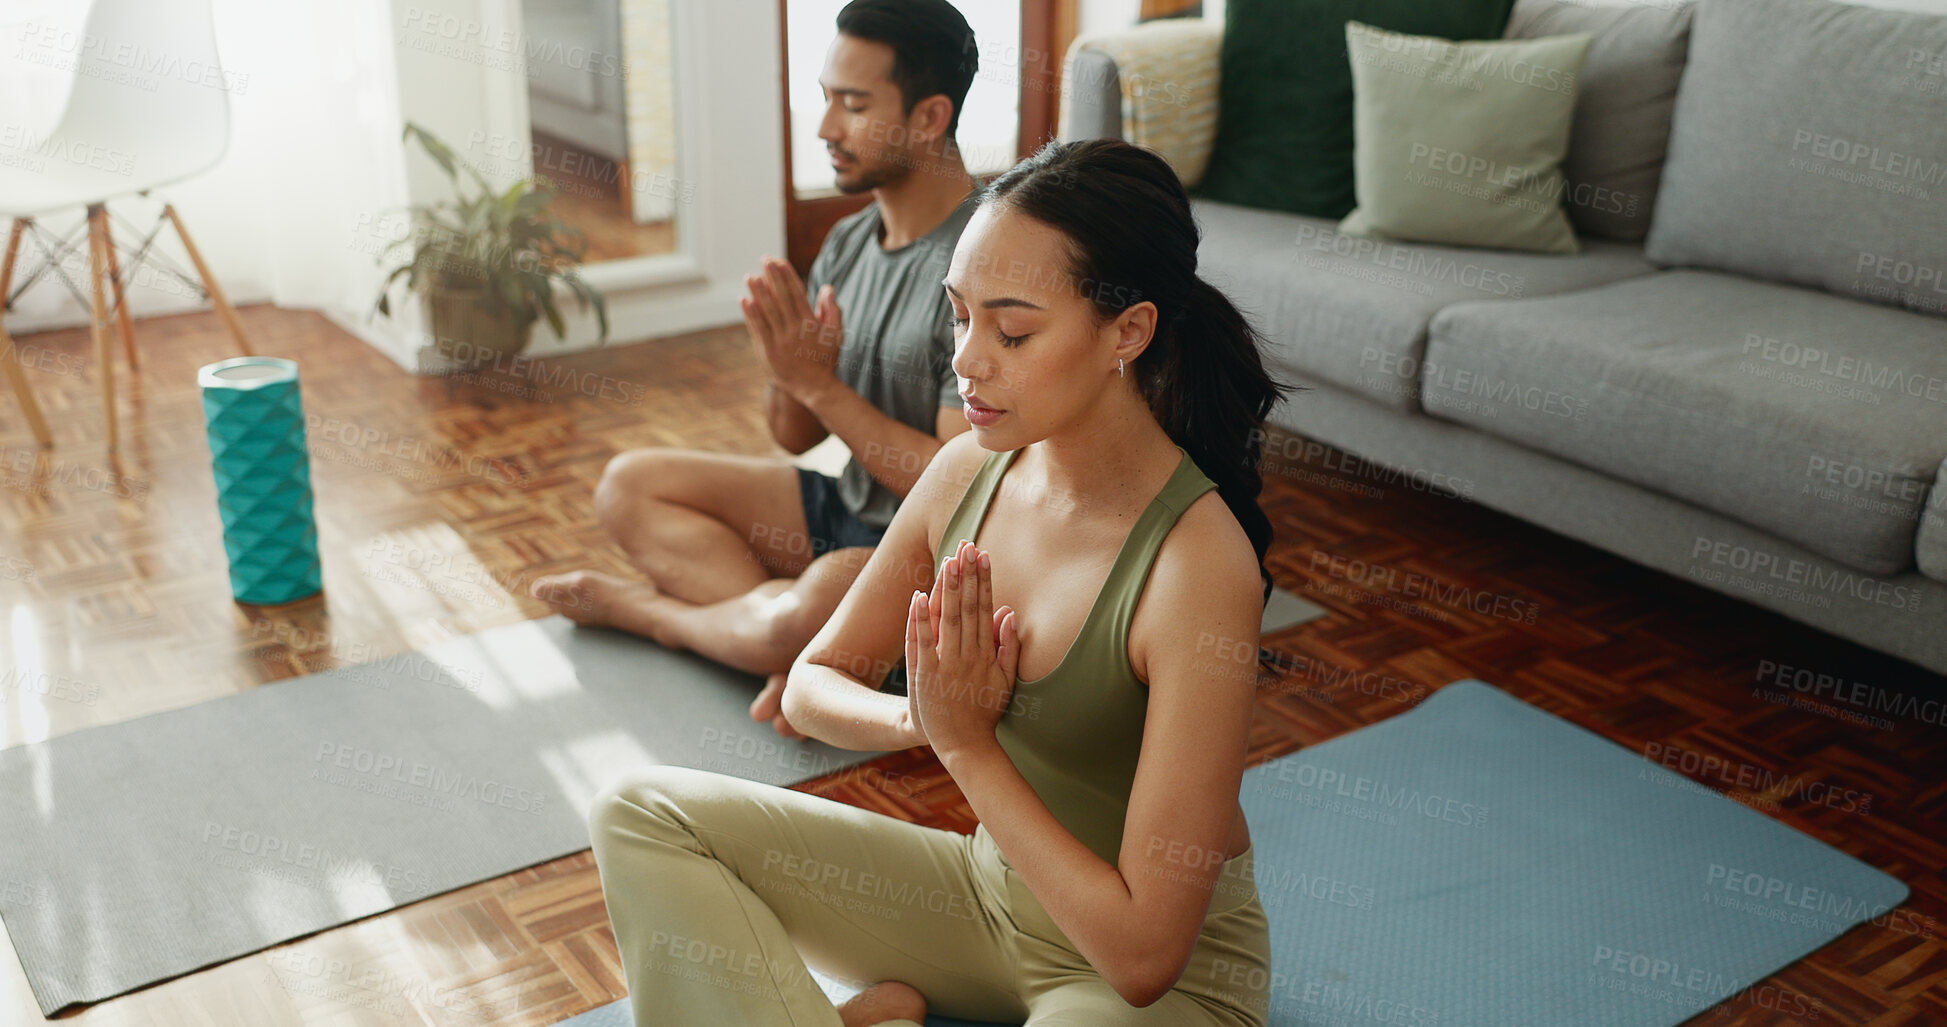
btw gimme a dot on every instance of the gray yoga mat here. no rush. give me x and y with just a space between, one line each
135 852
1477 862
1283 610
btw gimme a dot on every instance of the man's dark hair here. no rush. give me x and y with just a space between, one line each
933 50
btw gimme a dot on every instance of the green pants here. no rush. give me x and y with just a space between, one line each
721 890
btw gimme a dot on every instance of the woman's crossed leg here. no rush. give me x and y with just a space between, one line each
721 889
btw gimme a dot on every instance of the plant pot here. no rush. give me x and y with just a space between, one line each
474 326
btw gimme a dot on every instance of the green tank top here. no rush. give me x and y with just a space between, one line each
1075 732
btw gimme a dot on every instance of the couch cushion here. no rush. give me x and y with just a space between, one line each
1353 311
1809 145
1462 143
1626 92
1284 123
1818 418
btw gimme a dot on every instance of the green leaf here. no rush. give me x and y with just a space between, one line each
532 203
438 151
444 155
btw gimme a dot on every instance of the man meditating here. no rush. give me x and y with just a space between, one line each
746 557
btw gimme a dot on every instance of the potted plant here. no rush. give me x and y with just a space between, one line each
488 263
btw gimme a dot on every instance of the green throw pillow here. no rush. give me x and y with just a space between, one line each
1462 143
1284 123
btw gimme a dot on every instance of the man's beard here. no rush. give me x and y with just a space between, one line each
865 178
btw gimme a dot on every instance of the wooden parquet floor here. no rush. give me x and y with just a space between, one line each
117 605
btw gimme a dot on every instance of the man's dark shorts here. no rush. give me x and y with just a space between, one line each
826 518
832 526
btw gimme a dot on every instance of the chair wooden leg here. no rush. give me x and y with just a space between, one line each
9 359
121 301
7 266
10 364
104 361
209 282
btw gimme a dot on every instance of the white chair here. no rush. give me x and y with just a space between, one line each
142 102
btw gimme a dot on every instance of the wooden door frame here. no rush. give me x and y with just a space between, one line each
1047 26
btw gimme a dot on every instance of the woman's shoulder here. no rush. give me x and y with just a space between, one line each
964 451
953 468
1207 547
946 479
1205 554
1203 585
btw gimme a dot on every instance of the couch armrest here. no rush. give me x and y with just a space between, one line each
1930 546
1154 85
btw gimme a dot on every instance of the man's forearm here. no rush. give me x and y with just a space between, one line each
894 453
792 425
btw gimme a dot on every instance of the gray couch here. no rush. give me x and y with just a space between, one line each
1741 380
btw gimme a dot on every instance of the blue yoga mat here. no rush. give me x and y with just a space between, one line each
1477 861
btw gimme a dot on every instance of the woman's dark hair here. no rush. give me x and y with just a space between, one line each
933 51
1132 238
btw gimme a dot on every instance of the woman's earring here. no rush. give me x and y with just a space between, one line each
1118 367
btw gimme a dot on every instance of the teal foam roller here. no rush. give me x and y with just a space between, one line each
263 478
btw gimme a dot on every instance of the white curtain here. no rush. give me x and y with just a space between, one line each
298 205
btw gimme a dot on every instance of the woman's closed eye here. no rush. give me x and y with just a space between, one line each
960 324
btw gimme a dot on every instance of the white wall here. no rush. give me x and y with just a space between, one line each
1107 15
315 177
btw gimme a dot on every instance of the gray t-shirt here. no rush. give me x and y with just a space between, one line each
897 351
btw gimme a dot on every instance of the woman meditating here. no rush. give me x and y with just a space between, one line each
1075 587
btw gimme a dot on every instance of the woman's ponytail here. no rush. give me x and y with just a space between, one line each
1211 393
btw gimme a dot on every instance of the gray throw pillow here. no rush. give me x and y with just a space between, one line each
1809 145
1462 143
1621 130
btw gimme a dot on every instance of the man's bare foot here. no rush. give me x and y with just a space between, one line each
886 1000
603 600
769 705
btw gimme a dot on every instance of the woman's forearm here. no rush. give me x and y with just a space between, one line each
1085 895
838 709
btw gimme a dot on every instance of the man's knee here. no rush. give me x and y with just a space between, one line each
836 570
633 478
792 622
797 615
